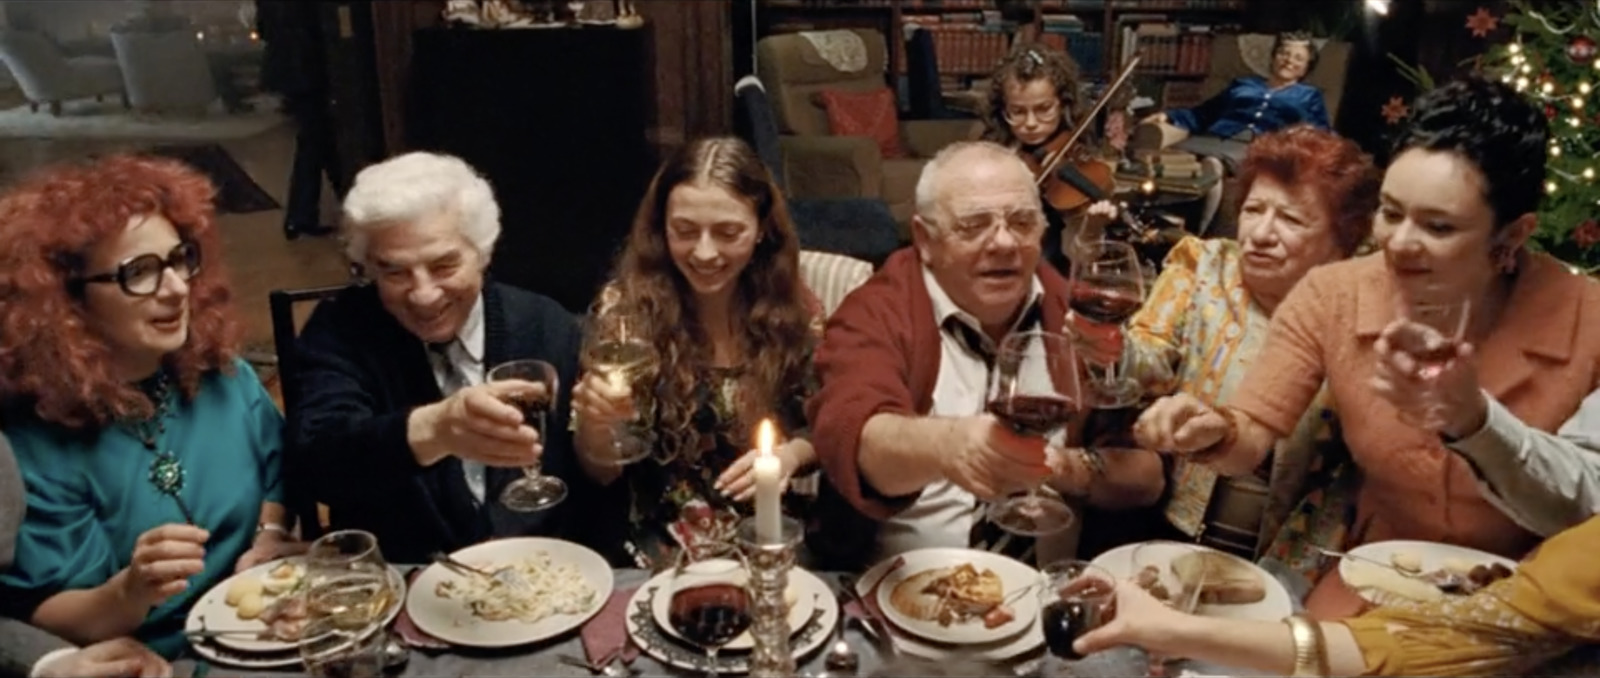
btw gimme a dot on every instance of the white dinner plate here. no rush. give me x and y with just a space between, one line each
1014 575
661 605
218 615
1004 650
1125 561
652 637
1432 554
453 621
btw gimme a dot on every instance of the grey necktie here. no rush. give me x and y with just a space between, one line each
444 360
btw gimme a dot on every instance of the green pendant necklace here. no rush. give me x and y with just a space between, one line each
166 473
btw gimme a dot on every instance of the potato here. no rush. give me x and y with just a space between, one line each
1406 561
251 606
790 597
241 587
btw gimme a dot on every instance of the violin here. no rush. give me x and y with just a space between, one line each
1068 186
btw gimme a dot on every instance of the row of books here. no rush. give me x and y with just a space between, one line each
1169 47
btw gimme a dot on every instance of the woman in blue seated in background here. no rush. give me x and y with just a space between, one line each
1220 129
149 452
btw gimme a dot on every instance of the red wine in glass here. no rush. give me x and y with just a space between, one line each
711 615
1106 299
1064 621
534 406
1033 415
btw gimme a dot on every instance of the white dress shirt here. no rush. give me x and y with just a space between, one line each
465 368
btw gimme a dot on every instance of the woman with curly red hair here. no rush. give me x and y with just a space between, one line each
1309 200
710 275
149 451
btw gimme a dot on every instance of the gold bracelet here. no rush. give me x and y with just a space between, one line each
1310 649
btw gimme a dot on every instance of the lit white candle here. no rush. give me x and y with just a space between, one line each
769 487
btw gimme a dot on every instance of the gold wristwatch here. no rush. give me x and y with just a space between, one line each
1310 649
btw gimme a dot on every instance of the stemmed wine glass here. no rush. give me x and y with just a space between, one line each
1034 388
711 601
1445 315
1076 598
1108 287
534 491
618 350
348 582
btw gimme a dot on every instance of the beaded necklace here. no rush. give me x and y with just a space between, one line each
166 473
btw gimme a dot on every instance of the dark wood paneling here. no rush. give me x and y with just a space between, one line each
392 26
692 90
694 69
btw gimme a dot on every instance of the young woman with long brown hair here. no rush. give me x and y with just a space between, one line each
710 279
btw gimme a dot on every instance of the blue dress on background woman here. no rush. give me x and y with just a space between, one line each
89 497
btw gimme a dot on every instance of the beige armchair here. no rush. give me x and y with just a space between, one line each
819 165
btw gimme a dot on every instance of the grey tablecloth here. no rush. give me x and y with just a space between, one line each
541 659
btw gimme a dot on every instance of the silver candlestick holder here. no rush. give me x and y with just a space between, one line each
769 562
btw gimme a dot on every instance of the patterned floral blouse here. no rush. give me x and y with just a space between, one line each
1198 333
673 495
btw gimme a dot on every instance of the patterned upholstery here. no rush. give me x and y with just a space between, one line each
832 277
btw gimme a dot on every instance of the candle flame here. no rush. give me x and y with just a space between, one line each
764 436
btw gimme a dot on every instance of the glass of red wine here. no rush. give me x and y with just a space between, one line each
1076 597
711 602
534 491
1034 389
1439 318
1107 288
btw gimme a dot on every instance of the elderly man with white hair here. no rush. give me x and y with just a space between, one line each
905 361
397 430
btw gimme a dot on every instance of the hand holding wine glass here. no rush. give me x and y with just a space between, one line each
1034 389
534 384
1075 599
1424 364
1443 396
617 358
476 423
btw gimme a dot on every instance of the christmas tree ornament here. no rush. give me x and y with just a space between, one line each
1481 23
1581 48
1395 110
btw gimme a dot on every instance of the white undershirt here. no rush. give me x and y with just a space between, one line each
466 355
943 515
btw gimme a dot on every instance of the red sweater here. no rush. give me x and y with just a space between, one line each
880 353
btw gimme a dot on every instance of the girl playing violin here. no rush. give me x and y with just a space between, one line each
1035 100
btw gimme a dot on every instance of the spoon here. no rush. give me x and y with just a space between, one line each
1448 582
609 666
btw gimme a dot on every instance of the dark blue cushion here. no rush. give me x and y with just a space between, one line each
858 227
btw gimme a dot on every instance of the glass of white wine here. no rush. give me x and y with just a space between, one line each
617 348
348 582
331 650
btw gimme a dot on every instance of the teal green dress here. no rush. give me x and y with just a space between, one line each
89 499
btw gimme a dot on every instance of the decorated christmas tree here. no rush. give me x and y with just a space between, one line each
1553 59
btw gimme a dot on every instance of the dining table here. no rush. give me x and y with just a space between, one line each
544 658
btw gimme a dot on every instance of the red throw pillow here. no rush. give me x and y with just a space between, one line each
865 114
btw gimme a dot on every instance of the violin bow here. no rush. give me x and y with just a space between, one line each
1054 159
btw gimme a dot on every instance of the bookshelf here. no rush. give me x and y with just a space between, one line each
971 36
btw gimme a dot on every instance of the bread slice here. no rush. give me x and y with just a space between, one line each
1228 580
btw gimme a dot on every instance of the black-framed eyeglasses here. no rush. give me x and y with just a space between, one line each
141 276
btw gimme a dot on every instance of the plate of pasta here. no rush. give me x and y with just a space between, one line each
567 584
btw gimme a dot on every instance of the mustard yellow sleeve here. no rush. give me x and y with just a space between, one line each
1543 611
1155 333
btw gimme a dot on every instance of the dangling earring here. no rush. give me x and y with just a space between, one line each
1505 259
